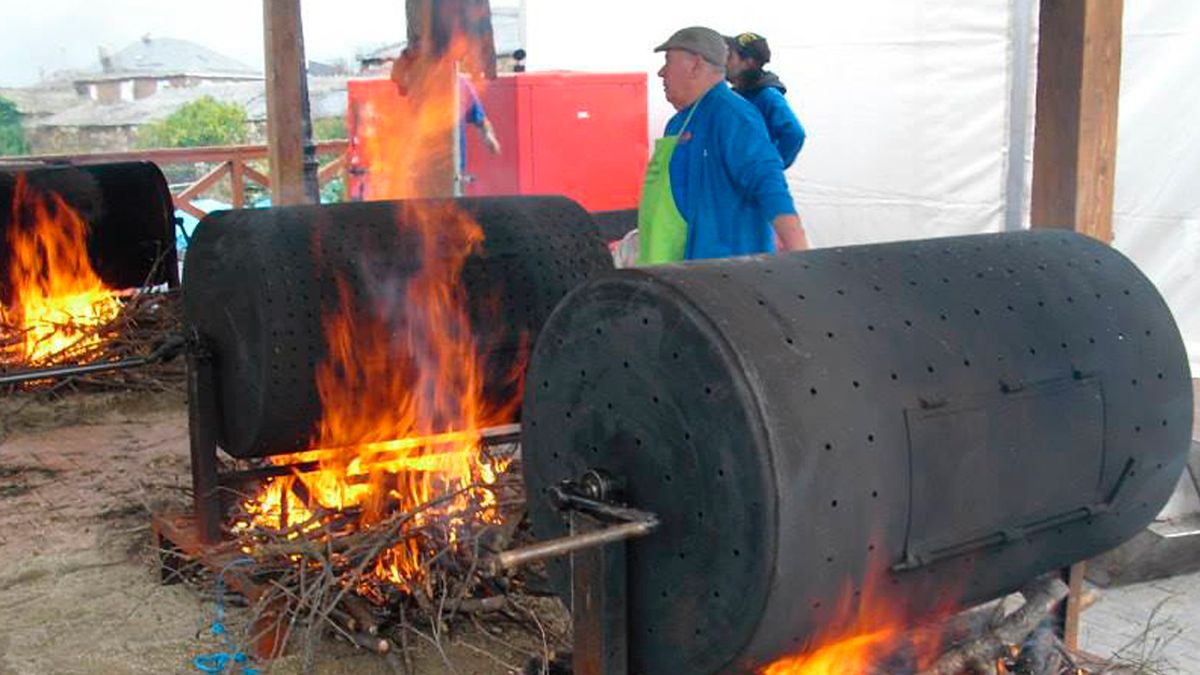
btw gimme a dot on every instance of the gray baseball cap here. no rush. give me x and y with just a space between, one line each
706 43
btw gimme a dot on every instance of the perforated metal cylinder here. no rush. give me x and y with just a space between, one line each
935 420
128 210
258 281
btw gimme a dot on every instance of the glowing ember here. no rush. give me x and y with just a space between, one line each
53 301
402 392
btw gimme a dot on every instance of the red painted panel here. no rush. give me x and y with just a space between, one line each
583 135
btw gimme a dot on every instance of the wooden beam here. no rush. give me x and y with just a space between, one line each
331 170
1075 133
206 181
189 207
254 175
284 47
212 153
1073 605
238 179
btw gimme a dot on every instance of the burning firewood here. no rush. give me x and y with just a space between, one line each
322 575
983 652
57 311
142 323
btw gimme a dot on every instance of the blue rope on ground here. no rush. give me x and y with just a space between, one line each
232 661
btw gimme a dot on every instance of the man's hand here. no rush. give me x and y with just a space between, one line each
489 137
789 234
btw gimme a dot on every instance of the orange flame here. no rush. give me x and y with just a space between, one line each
402 392
53 298
867 630
406 139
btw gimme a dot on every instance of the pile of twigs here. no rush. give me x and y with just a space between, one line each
316 580
145 321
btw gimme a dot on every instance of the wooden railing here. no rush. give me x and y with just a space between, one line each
230 160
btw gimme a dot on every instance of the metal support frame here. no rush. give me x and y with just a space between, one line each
600 525
165 351
203 421
599 606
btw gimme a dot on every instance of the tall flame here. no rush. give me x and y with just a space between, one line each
406 138
401 392
53 300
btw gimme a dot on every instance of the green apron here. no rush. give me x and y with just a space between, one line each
662 231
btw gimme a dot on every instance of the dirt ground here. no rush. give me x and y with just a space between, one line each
79 591
78 585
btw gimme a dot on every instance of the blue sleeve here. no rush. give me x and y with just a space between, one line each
474 109
786 131
754 164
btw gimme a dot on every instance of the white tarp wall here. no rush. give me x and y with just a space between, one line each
1156 219
905 103
909 106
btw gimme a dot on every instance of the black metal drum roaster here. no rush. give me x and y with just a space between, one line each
127 207
257 283
928 421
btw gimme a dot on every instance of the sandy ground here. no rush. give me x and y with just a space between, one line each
78 577
78 585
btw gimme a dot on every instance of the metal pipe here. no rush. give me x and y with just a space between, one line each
164 351
22 376
561 546
490 436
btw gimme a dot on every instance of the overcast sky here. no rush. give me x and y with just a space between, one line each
40 36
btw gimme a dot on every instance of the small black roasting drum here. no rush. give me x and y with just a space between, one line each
127 207
258 282
923 421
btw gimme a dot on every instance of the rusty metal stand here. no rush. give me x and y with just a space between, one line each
203 423
600 525
599 610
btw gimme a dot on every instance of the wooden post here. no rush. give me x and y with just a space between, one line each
287 94
1075 148
427 65
1075 135
1073 605
443 35
237 176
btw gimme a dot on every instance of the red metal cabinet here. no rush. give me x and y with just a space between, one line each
583 135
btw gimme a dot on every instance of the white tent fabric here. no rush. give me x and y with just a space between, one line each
908 108
1156 218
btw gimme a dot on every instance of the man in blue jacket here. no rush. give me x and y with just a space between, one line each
748 53
714 187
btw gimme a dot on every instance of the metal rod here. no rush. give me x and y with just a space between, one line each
491 436
575 542
23 376
167 349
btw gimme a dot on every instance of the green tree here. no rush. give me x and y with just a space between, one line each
12 135
329 128
205 121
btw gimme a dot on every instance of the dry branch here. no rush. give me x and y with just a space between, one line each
322 581
144 321
983 652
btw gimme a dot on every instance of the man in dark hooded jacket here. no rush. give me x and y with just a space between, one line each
748 53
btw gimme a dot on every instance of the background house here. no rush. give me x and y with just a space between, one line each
102 109
92 126
151 64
